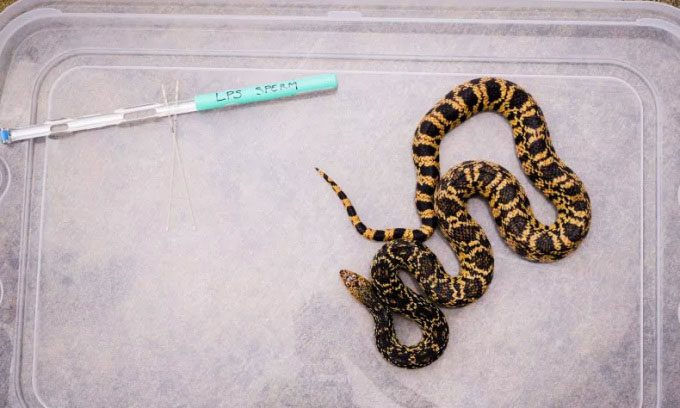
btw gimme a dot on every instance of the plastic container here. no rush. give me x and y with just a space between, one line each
106 303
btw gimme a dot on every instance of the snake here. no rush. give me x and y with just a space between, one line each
442 201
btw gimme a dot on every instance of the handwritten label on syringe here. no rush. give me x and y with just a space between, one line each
235 94
265 92
259 93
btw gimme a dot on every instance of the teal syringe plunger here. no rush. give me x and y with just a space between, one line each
252 94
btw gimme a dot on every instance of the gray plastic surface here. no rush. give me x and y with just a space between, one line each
100 305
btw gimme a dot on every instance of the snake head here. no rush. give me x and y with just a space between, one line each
361 288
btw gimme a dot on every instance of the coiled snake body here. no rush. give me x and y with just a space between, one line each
444 202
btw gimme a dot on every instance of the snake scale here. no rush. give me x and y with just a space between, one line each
443 201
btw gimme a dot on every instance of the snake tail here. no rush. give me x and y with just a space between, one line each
380 235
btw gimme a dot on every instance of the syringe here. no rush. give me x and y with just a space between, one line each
240 96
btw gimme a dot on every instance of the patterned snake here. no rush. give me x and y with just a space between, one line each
443 201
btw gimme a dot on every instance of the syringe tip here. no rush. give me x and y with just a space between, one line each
5 135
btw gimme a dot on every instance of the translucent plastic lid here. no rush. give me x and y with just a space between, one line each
127 281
